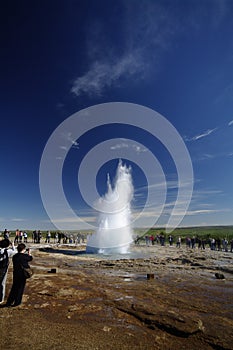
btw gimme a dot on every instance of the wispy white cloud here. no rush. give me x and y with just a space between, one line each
202 202
169 184
230 123
71 141
200 136
64 148
145 31
68 220
102 75
208 156
157 198
68 142
203 211
17 219
137 148
206 193
141 218
119 146
201 205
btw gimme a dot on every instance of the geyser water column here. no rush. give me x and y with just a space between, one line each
114 233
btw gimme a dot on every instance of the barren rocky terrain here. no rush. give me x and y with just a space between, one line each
156 298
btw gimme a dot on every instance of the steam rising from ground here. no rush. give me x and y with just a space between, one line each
114 232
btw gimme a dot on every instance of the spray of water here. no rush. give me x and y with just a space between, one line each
114 233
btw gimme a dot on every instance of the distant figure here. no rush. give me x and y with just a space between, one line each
203 242
20 236
6 234
199 243
34 236
59 237
20 260
5 254
224 244
218 244
232 246
152 240
188 242
25 237
212 244
147 238
178 242
48 236
39 236
193 242
17 235
55 237
162 240
170 240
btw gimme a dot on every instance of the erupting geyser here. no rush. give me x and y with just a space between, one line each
114 233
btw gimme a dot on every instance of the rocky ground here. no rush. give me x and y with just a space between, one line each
159 298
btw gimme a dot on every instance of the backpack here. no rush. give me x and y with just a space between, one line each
4 259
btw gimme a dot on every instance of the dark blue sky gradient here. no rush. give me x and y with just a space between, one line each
181 59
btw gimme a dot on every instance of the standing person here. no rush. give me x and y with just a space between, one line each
20 260
59 237
6 234
20 236
55 237
39 235
225 243
35 236
212 244
25 237
193 242
17 234
5 254
188 242
48 236
170 240
203 242
178 242
232 246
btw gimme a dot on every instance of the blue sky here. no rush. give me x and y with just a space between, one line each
60 57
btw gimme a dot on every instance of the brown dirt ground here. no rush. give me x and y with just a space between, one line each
95 303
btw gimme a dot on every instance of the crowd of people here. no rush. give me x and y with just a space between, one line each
38 237
190 242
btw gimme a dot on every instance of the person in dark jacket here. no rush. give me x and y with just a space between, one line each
5 254
20 260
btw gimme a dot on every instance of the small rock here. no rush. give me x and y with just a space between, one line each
73 308
219 276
